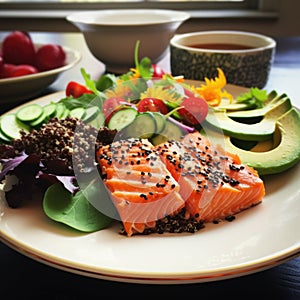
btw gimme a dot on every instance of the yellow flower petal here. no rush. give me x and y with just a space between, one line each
120 90
159 92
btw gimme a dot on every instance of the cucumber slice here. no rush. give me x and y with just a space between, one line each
160 121
10 125
122 118
143 126
4 138
50 109
78 112
98 121
60 109
91 113
65 114
29 112
43 118
170 132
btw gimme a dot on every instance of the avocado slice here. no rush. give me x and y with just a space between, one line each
263 146
258 112
237 107
278 159
260 131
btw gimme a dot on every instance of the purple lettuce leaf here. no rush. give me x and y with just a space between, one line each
10 164
26 171
31 172
68 182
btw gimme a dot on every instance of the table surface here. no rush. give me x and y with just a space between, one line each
25 278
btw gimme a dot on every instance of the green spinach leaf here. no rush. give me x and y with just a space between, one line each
75 211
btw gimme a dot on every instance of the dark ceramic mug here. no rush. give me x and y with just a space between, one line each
245 58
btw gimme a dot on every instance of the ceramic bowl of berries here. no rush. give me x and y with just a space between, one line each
27 68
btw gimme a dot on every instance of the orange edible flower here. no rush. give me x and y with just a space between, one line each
135 73
212 91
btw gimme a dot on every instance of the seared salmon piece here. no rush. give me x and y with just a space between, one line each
141 187
213 183
176 186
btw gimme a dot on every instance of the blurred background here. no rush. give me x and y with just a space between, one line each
277 18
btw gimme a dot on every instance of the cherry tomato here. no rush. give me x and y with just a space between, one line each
22 70
18 48
157 71
152 104
76 89
50 56
111 104
195 110
189 93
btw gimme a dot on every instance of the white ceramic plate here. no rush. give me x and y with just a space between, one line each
259 238
17 89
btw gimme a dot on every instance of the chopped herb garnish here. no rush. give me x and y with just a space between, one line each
255 97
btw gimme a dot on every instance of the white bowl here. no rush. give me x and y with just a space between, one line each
111 35
18 89
248 66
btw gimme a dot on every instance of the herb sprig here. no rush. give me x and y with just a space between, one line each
254 98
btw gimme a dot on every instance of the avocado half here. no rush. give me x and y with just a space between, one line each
286 146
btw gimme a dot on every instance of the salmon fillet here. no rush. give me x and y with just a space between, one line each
213 183
141 187
182 183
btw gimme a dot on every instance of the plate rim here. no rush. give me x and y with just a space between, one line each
156 278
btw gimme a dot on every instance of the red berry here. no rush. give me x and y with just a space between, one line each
10 70
50 57
1 64
18 48
22 70
7 70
